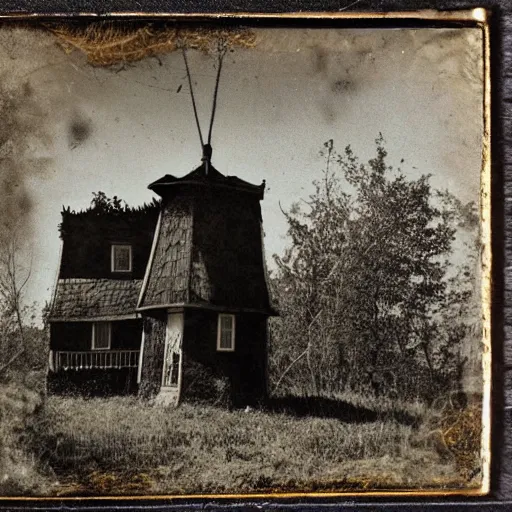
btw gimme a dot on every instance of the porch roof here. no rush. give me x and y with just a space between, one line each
81 299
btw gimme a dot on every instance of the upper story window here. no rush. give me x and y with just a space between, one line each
226 333
101 335
121 258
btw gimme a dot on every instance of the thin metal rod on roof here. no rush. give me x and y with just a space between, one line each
191 88
222 52
206 148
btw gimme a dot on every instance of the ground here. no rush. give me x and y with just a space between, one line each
126 446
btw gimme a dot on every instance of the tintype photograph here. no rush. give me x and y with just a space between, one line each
243 259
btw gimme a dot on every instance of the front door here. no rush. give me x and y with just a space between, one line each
173 351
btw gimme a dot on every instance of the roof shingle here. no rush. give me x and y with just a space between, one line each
88 299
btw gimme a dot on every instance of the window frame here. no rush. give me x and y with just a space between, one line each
219 332
93 339
113 248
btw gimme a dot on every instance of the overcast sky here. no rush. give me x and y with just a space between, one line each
278 103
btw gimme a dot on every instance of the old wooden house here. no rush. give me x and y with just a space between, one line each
170 300
95 331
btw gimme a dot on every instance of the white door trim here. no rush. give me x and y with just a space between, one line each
173 333
141 357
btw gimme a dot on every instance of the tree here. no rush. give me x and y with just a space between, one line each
13 280
365 282
23 345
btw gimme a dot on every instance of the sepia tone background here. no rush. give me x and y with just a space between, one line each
117 130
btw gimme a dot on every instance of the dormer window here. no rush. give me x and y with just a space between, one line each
121 258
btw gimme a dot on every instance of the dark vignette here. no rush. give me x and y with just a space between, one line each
501 70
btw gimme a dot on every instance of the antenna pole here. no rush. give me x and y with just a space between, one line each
206 148
192 96
222 52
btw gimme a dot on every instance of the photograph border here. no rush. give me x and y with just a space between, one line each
477 17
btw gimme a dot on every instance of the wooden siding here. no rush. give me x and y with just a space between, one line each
227 266
76 337
126 334
209 376
88 236
153 356
169 272
237 378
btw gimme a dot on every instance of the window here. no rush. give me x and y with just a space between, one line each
121 258
101 335
226 333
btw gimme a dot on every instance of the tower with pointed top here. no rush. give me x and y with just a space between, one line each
204 297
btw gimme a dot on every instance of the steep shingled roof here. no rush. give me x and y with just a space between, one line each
208 249
168 273
89 299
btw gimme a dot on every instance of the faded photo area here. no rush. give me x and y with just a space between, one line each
240 260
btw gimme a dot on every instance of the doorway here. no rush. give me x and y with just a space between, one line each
173 353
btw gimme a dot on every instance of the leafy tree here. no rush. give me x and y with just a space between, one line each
365 283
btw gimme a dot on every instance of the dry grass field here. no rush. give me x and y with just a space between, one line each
126 446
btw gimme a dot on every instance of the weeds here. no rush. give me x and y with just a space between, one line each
125 446
21 472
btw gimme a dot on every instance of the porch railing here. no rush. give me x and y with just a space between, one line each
101 359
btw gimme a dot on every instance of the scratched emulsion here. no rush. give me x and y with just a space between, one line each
22 129
80 129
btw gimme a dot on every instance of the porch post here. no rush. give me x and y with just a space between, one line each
141 357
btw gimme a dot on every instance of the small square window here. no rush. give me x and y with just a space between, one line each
226 333
101 335
121 258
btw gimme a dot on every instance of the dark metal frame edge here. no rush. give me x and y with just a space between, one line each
500 497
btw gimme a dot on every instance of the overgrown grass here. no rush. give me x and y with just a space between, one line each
126 446
21 472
